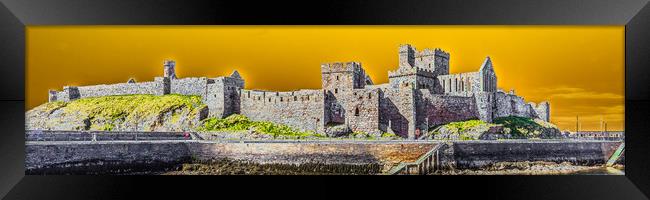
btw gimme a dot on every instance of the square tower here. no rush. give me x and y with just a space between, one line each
342 77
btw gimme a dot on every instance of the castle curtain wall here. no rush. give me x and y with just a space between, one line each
303 109
397 108
443 109
363 111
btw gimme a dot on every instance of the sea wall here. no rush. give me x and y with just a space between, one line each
101 156
475 154
84 156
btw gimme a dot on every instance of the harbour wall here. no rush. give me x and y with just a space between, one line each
80 157
476 154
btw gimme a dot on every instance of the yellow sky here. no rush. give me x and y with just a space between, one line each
579 69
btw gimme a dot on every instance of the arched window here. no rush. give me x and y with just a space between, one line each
356 112
443 86
295 98
336 90
462 84
337 78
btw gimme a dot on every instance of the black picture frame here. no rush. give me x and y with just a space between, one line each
16 14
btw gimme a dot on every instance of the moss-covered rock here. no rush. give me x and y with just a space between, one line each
465 130
521 127
119 113
502 128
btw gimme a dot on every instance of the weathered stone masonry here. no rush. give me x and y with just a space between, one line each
420 94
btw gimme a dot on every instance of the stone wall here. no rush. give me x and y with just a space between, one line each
485 105
190 86
443 109
66 157
83 157
59 156
45 135
474 154
154 88
223 96
397 109
362 111
513 105
303 109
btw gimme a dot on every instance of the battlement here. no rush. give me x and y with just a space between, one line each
341 67
412 71
432 52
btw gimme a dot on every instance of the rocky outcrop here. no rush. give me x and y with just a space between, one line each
119 113
502 128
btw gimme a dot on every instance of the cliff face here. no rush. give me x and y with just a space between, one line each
119 113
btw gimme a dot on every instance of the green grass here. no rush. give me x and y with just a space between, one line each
242 123
522 127
465 125
106 112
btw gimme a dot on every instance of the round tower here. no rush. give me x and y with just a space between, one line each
169 70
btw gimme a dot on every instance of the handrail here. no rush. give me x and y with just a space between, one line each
616 155
402 165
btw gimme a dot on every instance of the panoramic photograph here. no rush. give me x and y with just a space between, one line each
325 100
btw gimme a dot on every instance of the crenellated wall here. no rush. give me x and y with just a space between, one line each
301 109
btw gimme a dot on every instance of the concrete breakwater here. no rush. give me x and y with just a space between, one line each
82 157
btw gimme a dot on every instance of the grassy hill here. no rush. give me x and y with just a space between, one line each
119 113
511 127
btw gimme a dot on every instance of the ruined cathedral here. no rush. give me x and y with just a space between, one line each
420 94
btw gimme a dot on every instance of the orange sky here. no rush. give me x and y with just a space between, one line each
579 69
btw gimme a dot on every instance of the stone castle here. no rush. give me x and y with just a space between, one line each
420 94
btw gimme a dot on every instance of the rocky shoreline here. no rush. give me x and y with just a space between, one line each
535 168
230 167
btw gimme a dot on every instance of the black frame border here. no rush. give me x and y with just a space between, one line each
634 14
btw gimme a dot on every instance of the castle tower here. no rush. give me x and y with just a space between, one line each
435 60
441 62
417 70
406 56
342 77
169 71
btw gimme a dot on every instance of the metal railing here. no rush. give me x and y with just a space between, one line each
427 163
